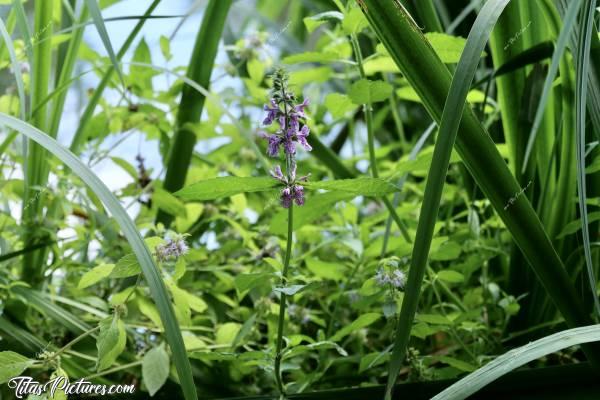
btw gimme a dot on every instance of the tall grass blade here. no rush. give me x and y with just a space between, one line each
561 45
451 116
96 14
150 270
86 116
431 80
23 25
16 66
581 92
517 358
192 102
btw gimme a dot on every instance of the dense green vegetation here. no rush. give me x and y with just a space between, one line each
331 199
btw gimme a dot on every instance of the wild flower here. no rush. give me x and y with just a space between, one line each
299 314
173 248
390 274
292 130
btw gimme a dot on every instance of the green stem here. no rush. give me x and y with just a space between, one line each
74 341
283 299
115 369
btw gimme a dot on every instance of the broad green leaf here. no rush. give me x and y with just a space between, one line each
165 47
227 332
13 364
368 92
451 276
327 270
95 275
127 265
314 21
361 322
216 188
256 70
130 169
435 319
458 364
290 290
358 186
339 105
111 341
448 48
354 21
155 369
447 251
142 77
244 282
168 203
310 75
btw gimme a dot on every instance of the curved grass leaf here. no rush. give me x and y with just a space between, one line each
151 274
431 80
561 45
517 358
191 104
86 116
581 91
16 66
451 117
96 14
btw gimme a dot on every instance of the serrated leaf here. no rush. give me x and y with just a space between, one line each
127 266
359 323
168 203
358 186
95 275
155 369
366 91
13 364
111 341
451 276
216 188
339 105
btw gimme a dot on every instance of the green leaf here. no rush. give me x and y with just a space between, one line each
458 364
354 21
448 48
111 341
447 251
169 203
130 169
155 369
289 290
13 364
216 188
327 270
127 265
95 275
244 282
359 186
311 56
517 358
450 276
575 226
339 105
256 70
165 47
227 333
314 21
359 323
142 77
365 91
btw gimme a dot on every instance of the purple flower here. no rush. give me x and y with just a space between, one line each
286 197
299 109
298 193
173 248
274 143
302 135
278 174
272 112
289 146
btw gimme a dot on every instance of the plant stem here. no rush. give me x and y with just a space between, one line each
283 298
115 369
74 341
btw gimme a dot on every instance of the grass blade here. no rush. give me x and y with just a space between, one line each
149 268
451 117
517 358
96 14
16 66
561 45
431 80
581 91
192 102
86 116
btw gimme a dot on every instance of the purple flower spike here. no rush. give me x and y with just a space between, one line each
302 135
278 174
289 146
274 143
299 109
272 112
286 197
299 195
